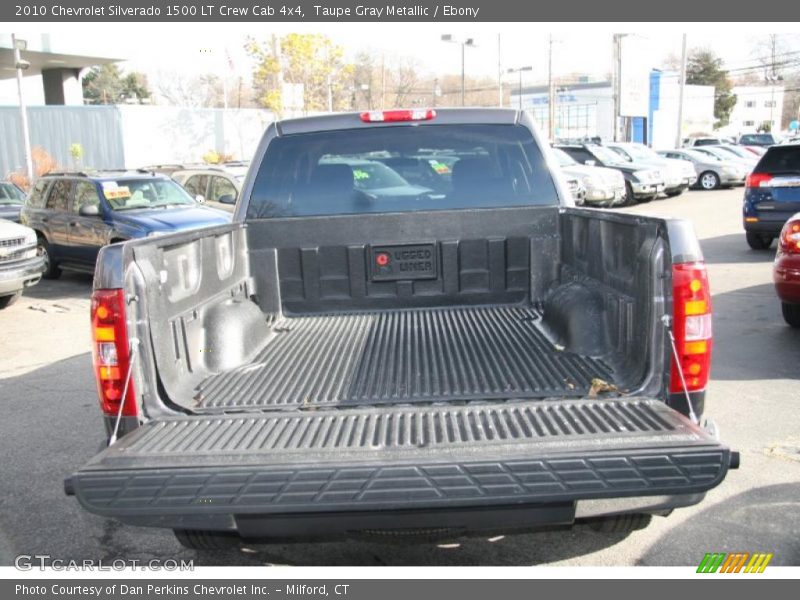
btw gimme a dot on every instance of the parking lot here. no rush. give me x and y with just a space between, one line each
51 425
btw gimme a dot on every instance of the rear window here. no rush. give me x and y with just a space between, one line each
780 159
400 169
757 138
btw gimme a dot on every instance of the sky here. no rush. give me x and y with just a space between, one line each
578 47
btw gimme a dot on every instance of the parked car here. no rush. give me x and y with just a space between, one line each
772 195
576 189
786 270
75 214
712 171
756 150
740 152
216 185
11 200
703 141
643 182
747 162
758 139
20 265
421 364
679 174
602 187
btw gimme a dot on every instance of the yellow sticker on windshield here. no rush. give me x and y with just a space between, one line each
117 193
360 174
439 167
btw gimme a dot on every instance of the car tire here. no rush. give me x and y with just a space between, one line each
6 301
620 523
709 181
51 269
758 241
196 539
791 314
629 198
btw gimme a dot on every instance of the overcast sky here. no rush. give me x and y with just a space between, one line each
586 48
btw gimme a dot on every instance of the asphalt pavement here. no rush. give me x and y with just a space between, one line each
50 424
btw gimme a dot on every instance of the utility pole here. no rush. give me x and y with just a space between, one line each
616 85
20 65
551 101
679 134
499 74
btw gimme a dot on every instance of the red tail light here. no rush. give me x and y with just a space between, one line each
691 327
789 241
755 180
393 116
111 352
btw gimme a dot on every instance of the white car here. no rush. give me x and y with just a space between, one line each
20 264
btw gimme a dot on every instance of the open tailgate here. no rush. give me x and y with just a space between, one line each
401 458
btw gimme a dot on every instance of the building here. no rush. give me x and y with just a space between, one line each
54 72
586 109
756 106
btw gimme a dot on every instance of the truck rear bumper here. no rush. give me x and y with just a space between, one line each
244 472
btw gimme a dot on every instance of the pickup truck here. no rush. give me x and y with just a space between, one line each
353 357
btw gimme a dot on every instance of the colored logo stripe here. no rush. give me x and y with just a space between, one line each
733 563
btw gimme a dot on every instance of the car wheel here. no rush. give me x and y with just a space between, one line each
51 270
629 199
620 523
196 539
791 314
6 301
709 180
758 241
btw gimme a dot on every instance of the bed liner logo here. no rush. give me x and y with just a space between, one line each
736 562
408 261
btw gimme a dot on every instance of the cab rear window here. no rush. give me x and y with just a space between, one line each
399 169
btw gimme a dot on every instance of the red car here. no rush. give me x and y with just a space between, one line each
786 271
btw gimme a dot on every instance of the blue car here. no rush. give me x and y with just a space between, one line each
76 214
772 195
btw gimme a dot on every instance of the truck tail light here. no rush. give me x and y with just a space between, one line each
394 116
111 352
755 180
691 327
789 240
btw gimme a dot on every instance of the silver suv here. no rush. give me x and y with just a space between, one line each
217 185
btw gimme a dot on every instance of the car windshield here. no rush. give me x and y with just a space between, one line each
700 156
606 155
640 152
737 152
400 168
132 194
11 195
564 159
714 153
758 138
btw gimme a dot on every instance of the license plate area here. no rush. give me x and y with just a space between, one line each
403 262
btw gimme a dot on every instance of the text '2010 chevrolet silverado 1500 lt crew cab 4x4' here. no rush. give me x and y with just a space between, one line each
362 352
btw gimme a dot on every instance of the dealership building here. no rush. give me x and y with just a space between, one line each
586 109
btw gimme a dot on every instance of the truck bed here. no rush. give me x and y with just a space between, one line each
398 356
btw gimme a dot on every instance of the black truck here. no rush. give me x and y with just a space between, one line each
365 352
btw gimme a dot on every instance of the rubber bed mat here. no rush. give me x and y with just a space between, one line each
404 356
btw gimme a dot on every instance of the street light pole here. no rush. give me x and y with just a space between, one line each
519 70
21 65
679 134
467 42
